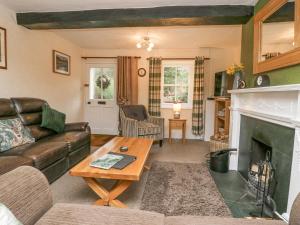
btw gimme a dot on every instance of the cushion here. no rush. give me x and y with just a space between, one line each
53 120
136 112
75 139
13 134
6 216
145 129
43 154
73 214
8 163
198 220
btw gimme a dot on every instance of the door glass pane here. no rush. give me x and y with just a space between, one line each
95 86
102 84
108 83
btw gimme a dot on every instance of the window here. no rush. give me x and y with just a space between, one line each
177 84
102 83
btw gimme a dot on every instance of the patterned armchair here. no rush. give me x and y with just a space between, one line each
136 122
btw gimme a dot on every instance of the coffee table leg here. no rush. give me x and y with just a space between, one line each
108 197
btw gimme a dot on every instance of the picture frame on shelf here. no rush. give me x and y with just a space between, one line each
61 63
3 48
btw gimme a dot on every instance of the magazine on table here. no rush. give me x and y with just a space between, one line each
107 161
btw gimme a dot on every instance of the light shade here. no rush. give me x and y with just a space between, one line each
176 107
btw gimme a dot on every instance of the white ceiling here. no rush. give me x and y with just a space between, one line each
69 5
163 37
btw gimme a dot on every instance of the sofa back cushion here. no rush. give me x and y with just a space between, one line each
136 112
7 109
13 134
30 112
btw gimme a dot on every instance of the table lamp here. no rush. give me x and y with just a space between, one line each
176 109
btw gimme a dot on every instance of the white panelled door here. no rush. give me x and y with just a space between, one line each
101 109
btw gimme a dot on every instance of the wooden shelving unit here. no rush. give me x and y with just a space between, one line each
222 116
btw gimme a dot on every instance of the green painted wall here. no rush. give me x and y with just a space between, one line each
290 75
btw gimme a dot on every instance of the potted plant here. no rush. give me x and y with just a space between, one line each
236 70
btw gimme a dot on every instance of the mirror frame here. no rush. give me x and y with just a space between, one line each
287 59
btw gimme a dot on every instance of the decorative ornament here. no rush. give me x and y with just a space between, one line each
104 80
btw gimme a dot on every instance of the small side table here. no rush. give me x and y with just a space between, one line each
177 124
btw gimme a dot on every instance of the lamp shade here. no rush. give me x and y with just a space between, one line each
176 107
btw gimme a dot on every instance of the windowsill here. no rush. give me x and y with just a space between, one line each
170 106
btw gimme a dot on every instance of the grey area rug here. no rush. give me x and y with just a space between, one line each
176 189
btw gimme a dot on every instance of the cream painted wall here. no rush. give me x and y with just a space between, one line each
220 59
29 72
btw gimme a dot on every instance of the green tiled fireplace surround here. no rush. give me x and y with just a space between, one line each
281 139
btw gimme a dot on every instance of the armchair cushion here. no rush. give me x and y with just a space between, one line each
145 129
136 112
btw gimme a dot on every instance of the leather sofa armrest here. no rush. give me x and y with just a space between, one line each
83 126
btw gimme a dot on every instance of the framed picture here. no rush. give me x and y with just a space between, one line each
3 49
61 63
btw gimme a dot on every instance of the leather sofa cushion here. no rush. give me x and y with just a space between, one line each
7 109
136 112
95 215
30 112
42 154
28 105
75 139
8 163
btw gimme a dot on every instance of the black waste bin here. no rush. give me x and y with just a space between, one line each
219 161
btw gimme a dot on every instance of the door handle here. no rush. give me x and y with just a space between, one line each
101 103
88 103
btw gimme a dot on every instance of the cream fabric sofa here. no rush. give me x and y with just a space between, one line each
25 191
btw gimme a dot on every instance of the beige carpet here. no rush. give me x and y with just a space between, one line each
68 189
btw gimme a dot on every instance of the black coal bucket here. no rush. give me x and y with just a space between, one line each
219 161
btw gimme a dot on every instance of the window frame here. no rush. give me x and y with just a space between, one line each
178 63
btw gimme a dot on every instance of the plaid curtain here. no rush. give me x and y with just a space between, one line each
154 86
197 118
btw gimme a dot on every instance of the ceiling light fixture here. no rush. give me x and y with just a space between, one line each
145 43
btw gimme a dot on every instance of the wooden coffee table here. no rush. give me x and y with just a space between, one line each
138 147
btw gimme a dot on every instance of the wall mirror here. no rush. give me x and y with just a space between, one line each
277 35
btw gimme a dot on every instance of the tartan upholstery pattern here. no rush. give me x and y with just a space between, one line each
145 129
152 128
198 97
154 86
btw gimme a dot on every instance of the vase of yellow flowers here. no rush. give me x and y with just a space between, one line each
236 70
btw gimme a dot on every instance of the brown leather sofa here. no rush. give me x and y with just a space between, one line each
52 153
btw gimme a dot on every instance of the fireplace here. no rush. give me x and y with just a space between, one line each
268 119
261 176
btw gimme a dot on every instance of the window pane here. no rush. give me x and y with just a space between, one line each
108 83
169 75
182 94
169 94
182 76
95 86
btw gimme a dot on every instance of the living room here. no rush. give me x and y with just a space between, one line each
151 88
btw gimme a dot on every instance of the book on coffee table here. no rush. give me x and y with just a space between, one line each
107 161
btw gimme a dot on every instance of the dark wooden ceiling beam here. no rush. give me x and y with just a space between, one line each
138 17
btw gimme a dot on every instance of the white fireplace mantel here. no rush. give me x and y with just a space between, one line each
276 104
